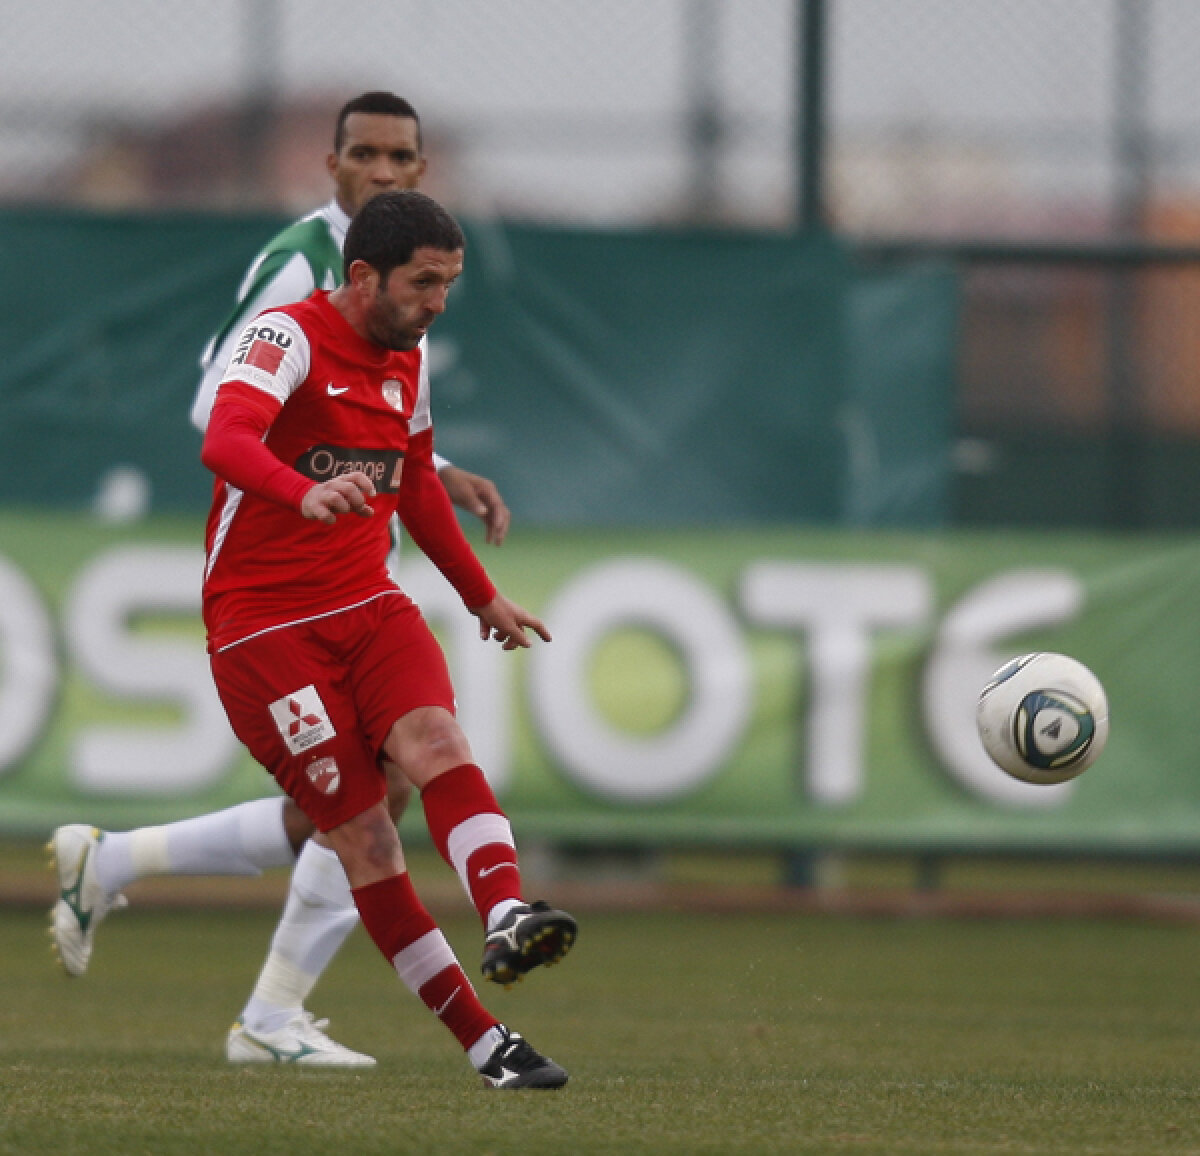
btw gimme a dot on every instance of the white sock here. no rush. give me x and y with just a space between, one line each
241 840
318 916
501 909
481 1050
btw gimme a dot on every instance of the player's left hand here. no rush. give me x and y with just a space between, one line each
345 494
506 622
479 496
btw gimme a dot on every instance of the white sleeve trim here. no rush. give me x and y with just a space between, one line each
277 332
294 282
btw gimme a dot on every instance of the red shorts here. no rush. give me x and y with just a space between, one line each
314 701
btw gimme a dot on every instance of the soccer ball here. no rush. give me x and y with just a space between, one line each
1043 718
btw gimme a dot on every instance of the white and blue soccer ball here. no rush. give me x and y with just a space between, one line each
1043 718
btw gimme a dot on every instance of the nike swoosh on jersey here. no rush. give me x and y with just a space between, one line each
335 390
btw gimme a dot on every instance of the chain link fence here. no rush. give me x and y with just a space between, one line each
543 109
1053 119
1034 118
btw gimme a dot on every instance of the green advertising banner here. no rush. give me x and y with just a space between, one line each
767 687
599 377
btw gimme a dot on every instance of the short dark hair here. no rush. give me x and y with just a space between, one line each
380 103
391 226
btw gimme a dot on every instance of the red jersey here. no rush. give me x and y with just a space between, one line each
304 399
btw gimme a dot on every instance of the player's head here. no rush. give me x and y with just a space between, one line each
376 103
390 228
376 147
402 253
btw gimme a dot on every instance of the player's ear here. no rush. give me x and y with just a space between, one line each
363 277
331 165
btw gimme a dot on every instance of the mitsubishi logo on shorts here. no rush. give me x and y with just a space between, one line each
308 720
302 720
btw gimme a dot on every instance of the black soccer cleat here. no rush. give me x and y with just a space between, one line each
526 937
515 1064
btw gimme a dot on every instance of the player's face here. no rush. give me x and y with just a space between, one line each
412 298
379 152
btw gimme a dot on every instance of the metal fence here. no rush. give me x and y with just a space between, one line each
1032 118
1077 397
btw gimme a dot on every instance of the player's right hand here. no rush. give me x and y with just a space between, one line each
345 494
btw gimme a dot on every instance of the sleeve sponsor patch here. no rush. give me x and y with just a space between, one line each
271 354
265 355
262 346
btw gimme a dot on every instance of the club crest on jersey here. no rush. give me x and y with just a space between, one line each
393 394
302 720
325 775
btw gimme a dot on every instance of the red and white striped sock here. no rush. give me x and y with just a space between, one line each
473 835
410 940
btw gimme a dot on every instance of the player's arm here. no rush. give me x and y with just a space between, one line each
261 289
234 450
271 360
424 508
471 492
477 495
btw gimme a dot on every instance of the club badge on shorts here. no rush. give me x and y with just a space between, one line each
302 719
325 775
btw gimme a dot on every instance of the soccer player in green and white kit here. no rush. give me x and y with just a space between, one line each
377 147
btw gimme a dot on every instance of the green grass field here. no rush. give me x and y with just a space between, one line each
682 1033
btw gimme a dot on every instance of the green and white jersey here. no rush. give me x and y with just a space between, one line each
307 255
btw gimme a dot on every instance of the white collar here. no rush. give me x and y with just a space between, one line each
339 221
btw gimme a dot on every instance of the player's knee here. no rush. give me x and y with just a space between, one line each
445 743
441 753
368 846
426 743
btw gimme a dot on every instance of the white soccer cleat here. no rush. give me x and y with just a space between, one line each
300 1041
82 903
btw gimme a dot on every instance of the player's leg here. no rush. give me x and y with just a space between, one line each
473 835
333 773
94 866
408 938
406 701
318 916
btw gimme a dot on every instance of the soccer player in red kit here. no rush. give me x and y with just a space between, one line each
320 431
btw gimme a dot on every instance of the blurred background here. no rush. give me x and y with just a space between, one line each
1050 150
903 287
